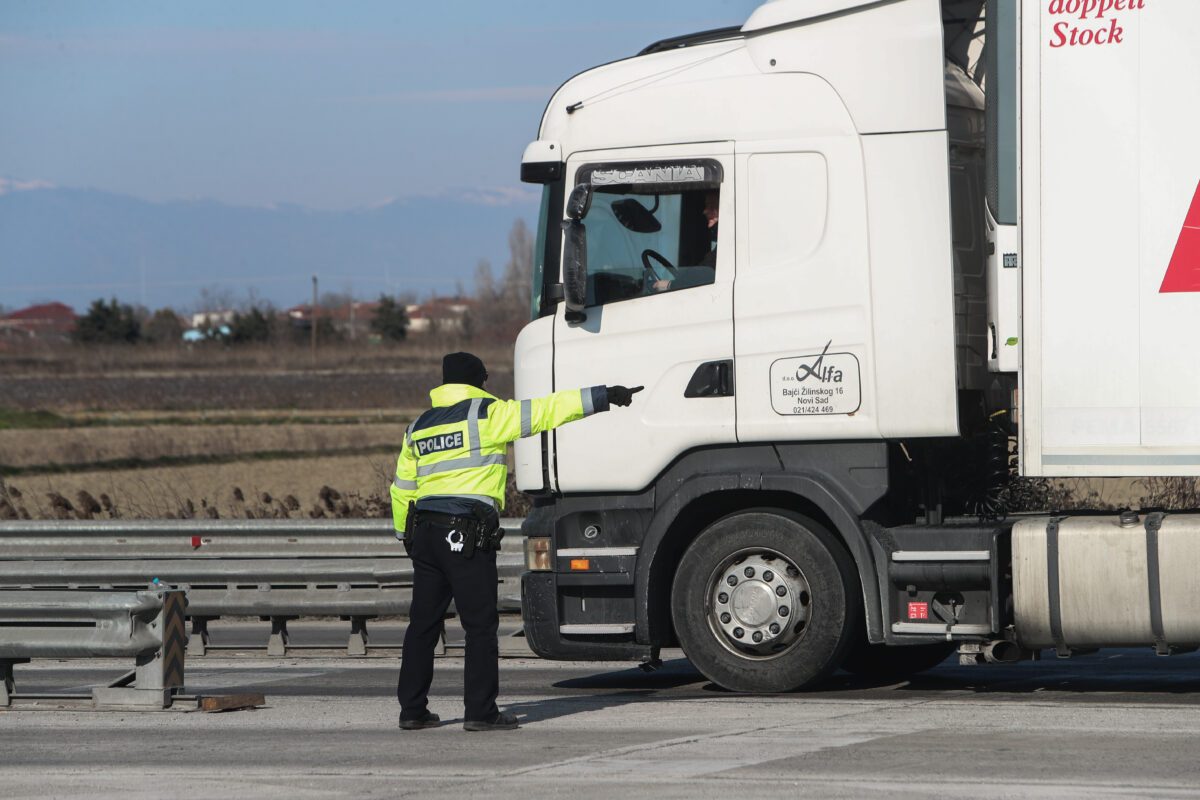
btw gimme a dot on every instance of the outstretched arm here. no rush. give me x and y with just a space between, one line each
515 419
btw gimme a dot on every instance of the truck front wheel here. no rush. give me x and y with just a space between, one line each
763 602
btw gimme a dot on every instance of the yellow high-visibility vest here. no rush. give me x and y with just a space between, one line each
458 448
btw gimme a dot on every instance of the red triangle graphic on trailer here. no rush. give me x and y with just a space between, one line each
1183 273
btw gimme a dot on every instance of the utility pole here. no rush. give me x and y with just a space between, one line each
314 323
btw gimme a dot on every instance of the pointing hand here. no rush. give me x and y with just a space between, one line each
622 396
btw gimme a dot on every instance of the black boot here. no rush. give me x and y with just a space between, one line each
498 722
426 720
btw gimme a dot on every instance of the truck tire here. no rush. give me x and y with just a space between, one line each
765 601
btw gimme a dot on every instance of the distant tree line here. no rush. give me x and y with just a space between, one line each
120 323
502 308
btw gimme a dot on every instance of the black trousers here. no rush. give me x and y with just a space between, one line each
439 574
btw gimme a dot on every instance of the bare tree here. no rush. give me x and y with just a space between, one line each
485 284
335 299
504 307
215 298
518 272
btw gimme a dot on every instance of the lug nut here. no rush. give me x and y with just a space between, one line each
768 576
738 632
781 590
783 611
749 572
757 636
774 628
725 618
722 598
731 580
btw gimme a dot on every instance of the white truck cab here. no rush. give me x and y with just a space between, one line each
848 277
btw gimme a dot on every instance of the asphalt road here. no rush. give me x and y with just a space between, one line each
1118 723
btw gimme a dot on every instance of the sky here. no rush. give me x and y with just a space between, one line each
325 105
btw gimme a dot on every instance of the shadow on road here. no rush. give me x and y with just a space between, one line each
1137 673
551 708
674 673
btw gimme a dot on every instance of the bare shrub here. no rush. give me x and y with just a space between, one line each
329 496
60 505
87 503
1170 494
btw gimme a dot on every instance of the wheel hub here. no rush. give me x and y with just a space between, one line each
760 602
753 603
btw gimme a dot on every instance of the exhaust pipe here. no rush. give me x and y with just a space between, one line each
1002 651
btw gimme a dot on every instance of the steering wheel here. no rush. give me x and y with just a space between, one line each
647 255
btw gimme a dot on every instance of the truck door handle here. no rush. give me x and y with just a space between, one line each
711 379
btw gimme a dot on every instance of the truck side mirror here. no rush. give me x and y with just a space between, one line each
575 252
580 202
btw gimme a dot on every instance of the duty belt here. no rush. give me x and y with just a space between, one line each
445 520
483 534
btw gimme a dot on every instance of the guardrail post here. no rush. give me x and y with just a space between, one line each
277 644
8 683
357 646
199 639
159 673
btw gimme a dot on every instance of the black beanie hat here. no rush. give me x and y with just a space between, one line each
463 368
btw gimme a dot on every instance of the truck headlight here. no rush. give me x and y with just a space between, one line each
537 554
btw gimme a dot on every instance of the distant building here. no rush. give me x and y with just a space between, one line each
441 314
211 319
48 321
303 313
353 320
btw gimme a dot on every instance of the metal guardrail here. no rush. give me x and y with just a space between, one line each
285 538
275 569
147 626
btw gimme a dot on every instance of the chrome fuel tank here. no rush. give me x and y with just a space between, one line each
1111 581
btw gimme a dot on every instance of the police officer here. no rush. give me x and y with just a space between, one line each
446 498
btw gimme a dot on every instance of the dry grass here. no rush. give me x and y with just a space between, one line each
417 354
75 446
174 405
335 487
340 486
136 378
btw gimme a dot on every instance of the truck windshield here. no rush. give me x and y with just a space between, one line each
647 240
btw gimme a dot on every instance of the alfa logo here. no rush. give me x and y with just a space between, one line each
819 370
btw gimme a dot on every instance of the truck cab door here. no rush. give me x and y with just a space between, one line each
658 313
